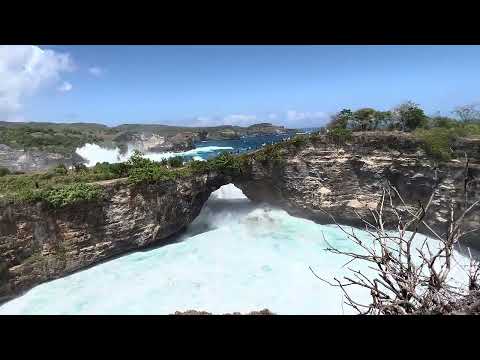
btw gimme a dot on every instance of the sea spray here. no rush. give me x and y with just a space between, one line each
236 256
94 153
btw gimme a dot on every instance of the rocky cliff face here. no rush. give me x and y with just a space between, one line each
33 160
308 179
151 142
38 244
319 178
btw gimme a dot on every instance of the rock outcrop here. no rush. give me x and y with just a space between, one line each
33 160
38 243
308 179
318 177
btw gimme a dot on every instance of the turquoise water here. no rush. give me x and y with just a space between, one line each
236 256
203 150
249 258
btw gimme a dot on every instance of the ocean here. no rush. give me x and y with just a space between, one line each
235 256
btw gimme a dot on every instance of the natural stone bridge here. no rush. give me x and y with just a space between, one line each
38 243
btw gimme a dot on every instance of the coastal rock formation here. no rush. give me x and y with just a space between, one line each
152 142
309 179
38 243
318 179
33 160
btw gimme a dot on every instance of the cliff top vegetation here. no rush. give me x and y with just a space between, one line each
61 186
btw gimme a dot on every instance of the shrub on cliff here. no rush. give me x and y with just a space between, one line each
408 116
340 119
437 142
299 140
364 119
339 135
60 169
176 161
150 172
198 167
68 194
4 171
226 163
273 153
141 169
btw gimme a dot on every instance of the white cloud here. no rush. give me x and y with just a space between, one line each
233 119
290 119
66 86
96 71
295 118
24 69
239 120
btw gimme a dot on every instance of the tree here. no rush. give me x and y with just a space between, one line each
341 119
176 161
364 119
383 119
411 278
78 167
408 116
467 113
4 171
60 169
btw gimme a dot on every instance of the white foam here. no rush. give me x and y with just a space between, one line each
94 153
228 191
251 258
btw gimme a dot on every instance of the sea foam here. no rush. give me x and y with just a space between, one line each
236 256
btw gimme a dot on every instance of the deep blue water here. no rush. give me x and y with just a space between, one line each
245 144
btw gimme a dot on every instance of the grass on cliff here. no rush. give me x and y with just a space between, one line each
59 139
60 186
438 141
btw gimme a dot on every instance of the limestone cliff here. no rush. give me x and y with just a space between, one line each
33 160
307 179
38 243
317 177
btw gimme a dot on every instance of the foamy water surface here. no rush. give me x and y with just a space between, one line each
94 153
235 256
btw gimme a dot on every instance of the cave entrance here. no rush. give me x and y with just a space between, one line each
226 205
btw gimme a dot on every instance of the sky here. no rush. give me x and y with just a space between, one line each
295 86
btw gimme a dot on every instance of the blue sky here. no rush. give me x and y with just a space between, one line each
208 85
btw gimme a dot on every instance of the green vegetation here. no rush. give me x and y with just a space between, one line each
58 139
60 187
341 119
299 141
56 190
438 134
339 135
437 142
176 161
228 164
4 171
68 194
405 117
66 138
141 170
271 152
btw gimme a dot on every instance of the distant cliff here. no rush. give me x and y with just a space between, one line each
306 176
314 175
38 146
